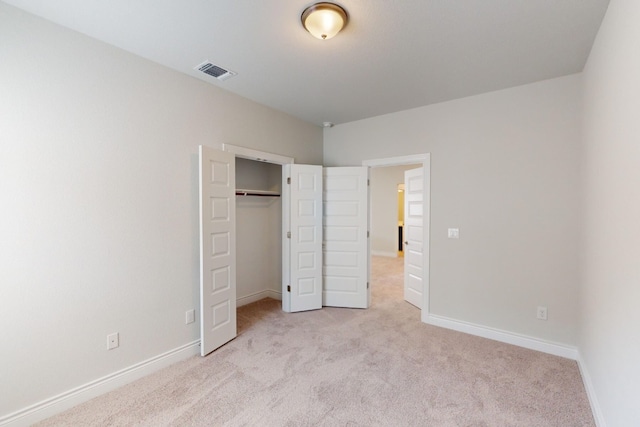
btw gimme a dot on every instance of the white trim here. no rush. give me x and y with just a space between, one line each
385 253
591 393
425 160
393 161
70 398
269 293
525 341
277 295
285 201
261 156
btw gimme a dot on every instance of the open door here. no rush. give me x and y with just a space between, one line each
413 236
346 255
325 241
302 240
217 249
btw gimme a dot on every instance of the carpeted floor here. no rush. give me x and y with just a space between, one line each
344 367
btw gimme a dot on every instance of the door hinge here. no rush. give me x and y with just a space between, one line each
368 182
288 180
367 234
367 285
288 234
288 288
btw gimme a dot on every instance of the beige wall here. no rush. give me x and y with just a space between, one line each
99 218
98 178
505 171
610 298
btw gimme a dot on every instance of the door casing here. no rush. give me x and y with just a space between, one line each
425 160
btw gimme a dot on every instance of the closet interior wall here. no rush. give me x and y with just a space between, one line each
258 232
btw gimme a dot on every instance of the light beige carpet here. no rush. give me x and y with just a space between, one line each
343 367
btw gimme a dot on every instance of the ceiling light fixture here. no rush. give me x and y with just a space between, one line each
324 20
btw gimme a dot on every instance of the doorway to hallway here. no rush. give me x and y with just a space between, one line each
385 224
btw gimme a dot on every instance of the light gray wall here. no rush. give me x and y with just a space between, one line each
99 191
610 298
384 208
505 171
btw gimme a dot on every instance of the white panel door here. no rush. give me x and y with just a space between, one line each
346 213
302 223
217 249
413 236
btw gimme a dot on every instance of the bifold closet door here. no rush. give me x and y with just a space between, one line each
217 249
346 242
302 240
325 241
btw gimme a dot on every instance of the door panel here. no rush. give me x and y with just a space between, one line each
346 263
302 254
413 236
217 249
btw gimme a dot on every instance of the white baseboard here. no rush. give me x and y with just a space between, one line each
384 253
83 393
275 295
549 347
258 296
556 349
591 394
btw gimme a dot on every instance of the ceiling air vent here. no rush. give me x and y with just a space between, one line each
215 71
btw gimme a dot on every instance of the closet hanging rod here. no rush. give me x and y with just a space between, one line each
260 193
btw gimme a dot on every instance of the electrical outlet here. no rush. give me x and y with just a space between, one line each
542 313
453 233
113 341
190 316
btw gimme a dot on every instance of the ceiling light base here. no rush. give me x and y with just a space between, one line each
324 20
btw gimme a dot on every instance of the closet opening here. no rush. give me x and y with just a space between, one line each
258 230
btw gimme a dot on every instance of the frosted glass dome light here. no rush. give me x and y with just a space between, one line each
324 20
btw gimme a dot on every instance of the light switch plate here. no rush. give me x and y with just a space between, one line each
454 233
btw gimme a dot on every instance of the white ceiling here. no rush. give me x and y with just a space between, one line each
393 54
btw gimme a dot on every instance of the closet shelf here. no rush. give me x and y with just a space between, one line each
260 193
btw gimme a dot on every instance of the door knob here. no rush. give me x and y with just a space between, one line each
406 243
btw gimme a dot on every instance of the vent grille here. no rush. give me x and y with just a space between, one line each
215 71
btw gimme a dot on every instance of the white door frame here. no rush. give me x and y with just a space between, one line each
257 155
260 156
425 160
